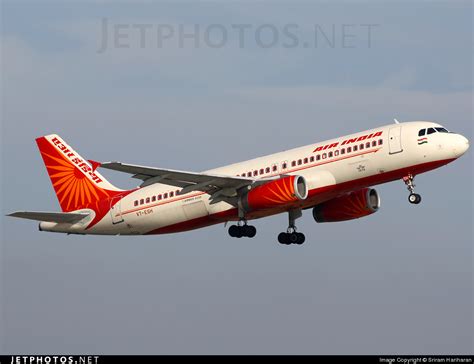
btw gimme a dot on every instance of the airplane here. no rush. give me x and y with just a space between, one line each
334 178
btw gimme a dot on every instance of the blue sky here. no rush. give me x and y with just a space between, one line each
399 281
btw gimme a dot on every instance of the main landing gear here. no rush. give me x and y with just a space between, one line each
242 229
292 236
413 198
239 231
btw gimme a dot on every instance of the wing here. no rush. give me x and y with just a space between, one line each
59 217
220 187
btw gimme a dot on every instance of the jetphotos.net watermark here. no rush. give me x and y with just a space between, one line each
114 35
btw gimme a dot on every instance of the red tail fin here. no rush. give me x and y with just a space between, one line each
75 181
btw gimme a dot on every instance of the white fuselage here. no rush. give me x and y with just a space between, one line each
388 153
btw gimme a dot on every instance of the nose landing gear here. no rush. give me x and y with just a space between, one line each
413 198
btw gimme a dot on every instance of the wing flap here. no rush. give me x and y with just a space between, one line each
58 217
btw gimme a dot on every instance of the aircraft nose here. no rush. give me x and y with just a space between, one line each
460 146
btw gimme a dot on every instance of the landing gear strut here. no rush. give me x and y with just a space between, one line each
292 236
413 198
244 230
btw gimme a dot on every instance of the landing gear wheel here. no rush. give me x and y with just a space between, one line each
293 238
283 239
414 198
249 231
233 231
301 238
237 231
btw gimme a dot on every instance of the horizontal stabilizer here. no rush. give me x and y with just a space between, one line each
58 217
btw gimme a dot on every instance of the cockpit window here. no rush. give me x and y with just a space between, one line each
441 130
431 131
422 132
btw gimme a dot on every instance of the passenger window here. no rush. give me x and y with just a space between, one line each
261 171
243 174
305 161
422 132
142 201
171 194
255 173
324 155
361 146
284 165
431 131
165 195
367 145
311 159
374 143
293 163
267 170
355 148
135 203
160 197
343 151
318 157
275 168
380 141
336 153
147 200
330 155
177 192
349 149
249 174
153 198
299 162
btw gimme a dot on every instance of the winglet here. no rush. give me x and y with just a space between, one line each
396 121
94 164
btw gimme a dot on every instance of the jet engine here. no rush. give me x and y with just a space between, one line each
276 193
348 207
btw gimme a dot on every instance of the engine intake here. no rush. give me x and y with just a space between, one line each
354 205
276 193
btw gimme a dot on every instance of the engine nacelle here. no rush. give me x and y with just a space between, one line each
276 193
348 207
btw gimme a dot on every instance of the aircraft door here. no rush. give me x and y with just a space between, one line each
116 210
395 139
195 210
